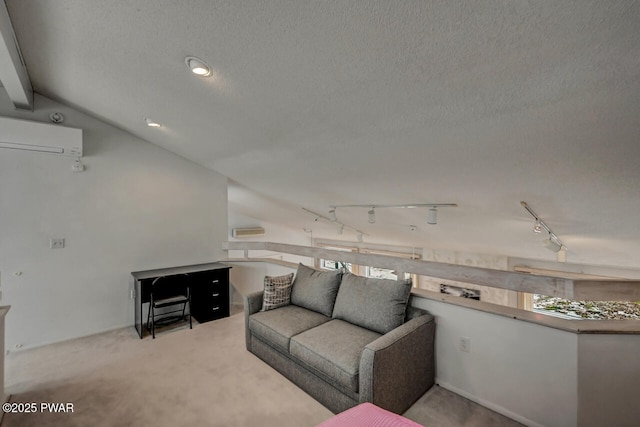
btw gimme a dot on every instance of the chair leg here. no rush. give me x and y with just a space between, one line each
153 323
190 323
149 317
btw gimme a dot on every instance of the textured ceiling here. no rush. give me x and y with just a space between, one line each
483 104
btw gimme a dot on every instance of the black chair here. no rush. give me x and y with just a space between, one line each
168 291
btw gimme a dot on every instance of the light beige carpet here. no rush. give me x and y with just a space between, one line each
199 377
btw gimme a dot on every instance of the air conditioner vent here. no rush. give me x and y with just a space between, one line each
41 137
247 232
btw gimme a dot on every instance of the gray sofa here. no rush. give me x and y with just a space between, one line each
344 339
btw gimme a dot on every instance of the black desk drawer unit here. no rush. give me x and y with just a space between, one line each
210 295
209 284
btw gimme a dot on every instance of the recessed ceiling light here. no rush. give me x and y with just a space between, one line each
197 66
151 123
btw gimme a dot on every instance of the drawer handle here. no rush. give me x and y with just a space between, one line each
215 295
215 308
215 281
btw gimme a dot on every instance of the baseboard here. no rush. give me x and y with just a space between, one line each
487 404
7 398
46 343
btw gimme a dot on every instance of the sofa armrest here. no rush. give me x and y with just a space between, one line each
252 304
397 368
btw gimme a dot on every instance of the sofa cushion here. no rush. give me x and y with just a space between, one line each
333 350
376 304
277 291
278 326
315 290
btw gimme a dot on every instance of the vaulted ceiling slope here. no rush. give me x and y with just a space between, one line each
313 104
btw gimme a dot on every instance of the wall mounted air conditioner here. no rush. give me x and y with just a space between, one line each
247 232
26 135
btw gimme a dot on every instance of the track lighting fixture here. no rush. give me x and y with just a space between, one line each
553 242
340 226
332 215
432 215
359 237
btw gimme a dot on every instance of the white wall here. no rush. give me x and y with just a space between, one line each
273 233
525 371
248 277
609 380
135 207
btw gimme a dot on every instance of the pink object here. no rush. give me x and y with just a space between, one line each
368 415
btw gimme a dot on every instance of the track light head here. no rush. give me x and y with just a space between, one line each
551 244
537 228
432 216
372 216
360 237
332 215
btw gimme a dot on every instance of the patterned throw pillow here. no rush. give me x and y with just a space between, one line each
277 291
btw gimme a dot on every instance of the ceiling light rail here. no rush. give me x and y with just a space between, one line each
432 215
341 226
406 206
553 243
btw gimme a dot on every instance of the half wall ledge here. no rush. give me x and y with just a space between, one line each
573 289
576 289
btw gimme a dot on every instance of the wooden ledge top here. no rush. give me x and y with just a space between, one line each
577 326
562 287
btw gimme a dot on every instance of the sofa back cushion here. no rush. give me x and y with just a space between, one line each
376 304
315 290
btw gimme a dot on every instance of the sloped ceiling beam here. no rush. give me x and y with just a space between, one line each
13 73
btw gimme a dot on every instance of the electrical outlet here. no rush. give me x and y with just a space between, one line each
465 344
56 243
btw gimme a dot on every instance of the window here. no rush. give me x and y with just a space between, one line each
329 264
335 265
380 273
617 310
368 271
384 273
